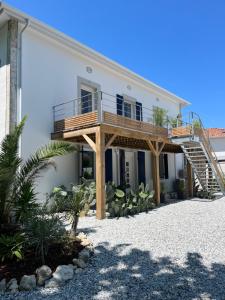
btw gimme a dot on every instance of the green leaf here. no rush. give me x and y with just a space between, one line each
18 254
119 193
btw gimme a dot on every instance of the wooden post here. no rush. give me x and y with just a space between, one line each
156 150
189 180
100 174
156 175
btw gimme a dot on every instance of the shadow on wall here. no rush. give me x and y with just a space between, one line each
136 275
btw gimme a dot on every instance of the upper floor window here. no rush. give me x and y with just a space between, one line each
129 109
88 99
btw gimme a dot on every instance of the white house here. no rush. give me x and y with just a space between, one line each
217 139
42 68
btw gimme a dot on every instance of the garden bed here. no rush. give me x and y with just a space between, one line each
58 254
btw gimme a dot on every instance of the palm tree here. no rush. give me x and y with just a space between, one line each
17 178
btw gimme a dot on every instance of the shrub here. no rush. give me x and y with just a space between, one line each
119 203
11 247
76 202
43 229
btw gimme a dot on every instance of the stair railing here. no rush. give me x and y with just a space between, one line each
204 137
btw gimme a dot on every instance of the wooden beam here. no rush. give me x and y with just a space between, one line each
90 142
130 133
161 147
156 177
151 146
100 174
110 141
189 179
80 132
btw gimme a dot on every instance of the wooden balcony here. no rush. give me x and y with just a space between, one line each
104 128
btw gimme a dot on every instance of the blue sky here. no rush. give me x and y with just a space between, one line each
178 44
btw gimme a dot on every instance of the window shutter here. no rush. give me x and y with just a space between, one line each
166 169
139 114
122 167
141 167
108 166
119 100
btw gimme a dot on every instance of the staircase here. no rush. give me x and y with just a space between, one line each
195 143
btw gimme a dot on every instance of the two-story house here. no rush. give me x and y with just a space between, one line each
118 119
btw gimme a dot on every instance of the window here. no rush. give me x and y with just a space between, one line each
163 166
87 164
128 109
88 97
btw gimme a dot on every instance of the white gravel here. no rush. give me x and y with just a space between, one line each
174 252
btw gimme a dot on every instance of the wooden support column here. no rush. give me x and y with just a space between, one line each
189 180
156 148
156 177
100 174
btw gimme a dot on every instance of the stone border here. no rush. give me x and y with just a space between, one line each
46 278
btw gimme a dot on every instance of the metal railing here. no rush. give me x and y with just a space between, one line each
101 102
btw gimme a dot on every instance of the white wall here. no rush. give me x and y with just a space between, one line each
3 81
49 76
218 145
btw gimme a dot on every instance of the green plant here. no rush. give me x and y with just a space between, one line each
196 124
175 122
17 178
119 203
159 116
43 229
11 246
75 202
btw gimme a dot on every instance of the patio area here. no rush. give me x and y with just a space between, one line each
176 251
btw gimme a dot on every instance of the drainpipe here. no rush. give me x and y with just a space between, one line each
19 80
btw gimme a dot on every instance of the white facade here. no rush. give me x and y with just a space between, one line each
53 67
218 144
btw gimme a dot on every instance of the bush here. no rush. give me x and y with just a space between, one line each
11 247
43 229
76 202
119 203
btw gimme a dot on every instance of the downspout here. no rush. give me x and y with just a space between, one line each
19 95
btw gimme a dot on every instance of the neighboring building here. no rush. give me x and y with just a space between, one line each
217 139
72 93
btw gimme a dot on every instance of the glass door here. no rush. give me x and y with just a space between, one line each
87 99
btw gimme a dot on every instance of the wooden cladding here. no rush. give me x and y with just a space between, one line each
121 121
181 131
77 122
91 119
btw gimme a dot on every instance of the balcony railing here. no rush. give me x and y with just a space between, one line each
103 108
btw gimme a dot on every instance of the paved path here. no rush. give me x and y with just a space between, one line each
174 252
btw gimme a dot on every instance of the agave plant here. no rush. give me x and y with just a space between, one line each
17 177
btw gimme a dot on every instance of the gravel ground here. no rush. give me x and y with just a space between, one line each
174 252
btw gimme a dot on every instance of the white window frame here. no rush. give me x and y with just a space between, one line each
132 102
92 91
